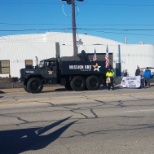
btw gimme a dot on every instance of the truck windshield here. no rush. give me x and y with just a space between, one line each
46 64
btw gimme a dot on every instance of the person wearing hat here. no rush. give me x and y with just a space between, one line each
109 79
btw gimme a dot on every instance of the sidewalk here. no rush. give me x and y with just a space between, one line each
47 88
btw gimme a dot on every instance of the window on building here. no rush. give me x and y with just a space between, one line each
4 67
28 63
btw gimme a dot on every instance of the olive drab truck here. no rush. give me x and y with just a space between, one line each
70 72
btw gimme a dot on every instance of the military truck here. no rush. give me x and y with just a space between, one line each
70 72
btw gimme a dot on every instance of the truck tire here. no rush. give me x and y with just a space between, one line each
25 88
67 85
92 82
78 83
34 85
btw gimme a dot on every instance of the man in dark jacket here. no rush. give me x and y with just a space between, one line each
137 72
142 78
83 56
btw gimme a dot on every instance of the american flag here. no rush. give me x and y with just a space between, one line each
94 56
107 58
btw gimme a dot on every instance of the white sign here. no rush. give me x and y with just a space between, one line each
131 82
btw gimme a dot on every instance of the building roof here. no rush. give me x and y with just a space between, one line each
64 38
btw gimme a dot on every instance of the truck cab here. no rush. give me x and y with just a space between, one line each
44 73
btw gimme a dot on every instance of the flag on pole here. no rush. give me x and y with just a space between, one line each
94 56
107 58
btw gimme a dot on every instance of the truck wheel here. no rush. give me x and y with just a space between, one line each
92 82
34 85
25 88
68 86
78 83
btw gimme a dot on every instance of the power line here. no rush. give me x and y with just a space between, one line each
29 24
122 29
30 2
89 29
123 4
87 24
113 31
88 3
126 33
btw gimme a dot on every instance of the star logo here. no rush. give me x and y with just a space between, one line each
96 67
49 72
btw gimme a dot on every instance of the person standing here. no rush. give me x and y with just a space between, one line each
137 72
142 78
125 74
83 56
147 76
109 79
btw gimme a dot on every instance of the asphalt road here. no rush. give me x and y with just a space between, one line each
69 122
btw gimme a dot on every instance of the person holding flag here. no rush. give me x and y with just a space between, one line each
94 56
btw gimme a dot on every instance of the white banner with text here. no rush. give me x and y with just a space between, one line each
131 82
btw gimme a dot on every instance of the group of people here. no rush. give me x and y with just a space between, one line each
145 76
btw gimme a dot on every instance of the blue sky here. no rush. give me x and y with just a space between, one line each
115 20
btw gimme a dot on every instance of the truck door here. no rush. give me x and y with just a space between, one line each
50 70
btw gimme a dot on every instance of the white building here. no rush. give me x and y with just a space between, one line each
16 50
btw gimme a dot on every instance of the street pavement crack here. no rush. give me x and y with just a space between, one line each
95 115
20 119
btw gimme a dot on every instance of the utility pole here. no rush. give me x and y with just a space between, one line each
74 29
72 2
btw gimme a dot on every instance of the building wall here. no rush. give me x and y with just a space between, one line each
19 48
139 54
17 53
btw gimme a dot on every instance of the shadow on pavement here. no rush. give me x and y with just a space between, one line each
17 141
